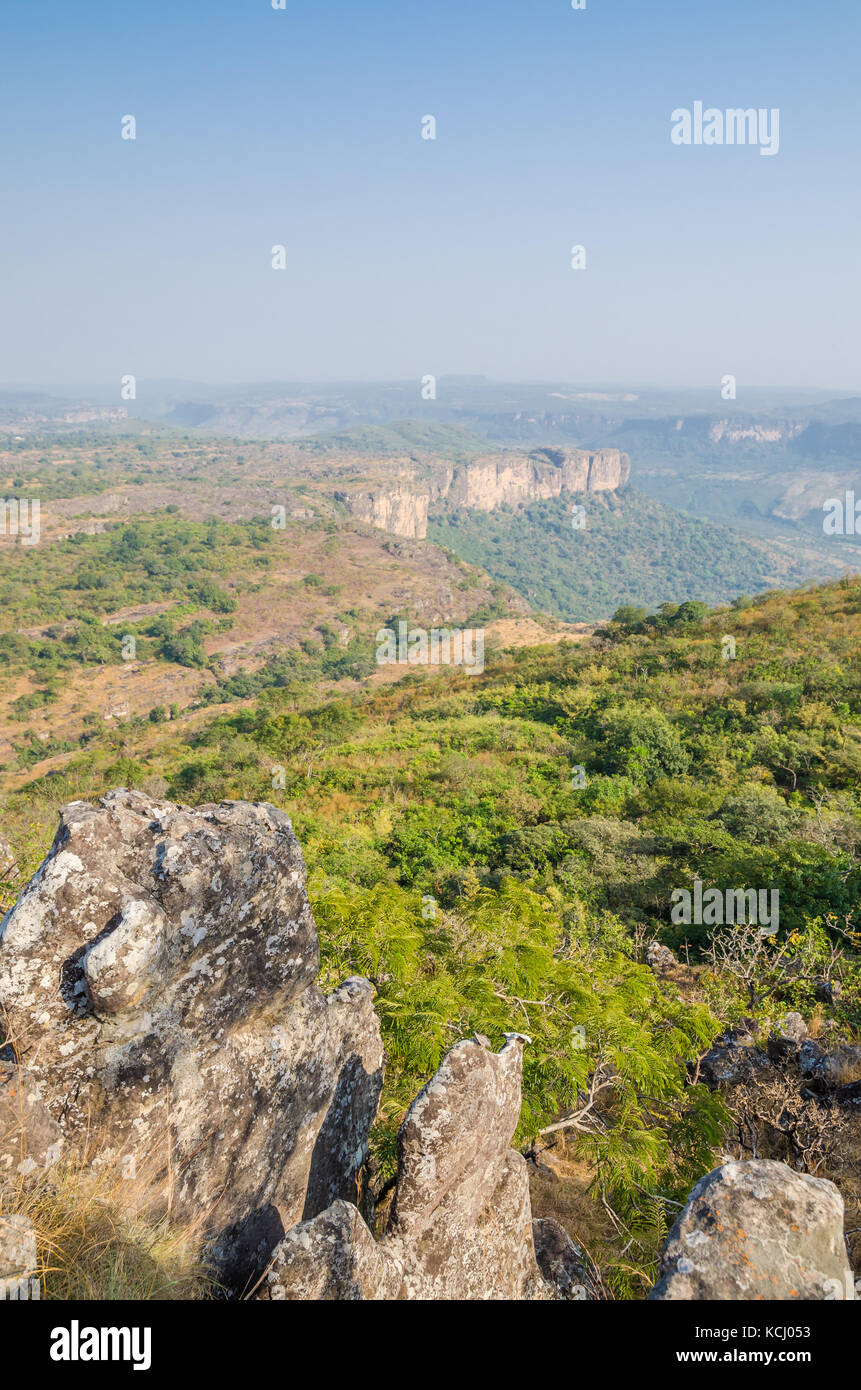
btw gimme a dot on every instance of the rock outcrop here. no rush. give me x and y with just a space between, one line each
757 1230
400 511
660 958
157 978
483 484
506 479
460 1225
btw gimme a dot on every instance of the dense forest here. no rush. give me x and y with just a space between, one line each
627 547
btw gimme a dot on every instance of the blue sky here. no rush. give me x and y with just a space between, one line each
404 256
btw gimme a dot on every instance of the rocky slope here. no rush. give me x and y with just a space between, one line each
161 1014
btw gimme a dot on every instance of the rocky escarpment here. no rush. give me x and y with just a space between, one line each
504 479
157 981
399 510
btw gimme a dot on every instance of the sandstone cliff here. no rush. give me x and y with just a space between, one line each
497 480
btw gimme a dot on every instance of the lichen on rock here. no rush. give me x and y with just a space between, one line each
157 978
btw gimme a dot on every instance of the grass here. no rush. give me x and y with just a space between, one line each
94 1243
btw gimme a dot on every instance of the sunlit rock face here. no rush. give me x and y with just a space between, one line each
461 1222
157 978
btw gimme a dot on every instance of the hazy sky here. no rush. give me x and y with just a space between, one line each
405 256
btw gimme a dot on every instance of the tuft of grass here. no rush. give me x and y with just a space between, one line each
93 1243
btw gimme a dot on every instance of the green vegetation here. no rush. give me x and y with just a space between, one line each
131 563
632 549
454 860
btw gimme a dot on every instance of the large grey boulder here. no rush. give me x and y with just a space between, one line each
158 981
757 1230
461 1222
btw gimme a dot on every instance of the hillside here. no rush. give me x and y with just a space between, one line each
629 548
499 849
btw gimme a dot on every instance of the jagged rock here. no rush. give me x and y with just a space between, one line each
158 976
734 1057
827 991
334 1258
756 1230
18 1262
660 958
563 1264
460 1224
785 1043
29 1137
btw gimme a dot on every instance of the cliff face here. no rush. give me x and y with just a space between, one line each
400 511
487 483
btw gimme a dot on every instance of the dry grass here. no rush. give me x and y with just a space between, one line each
93 1243
566 1194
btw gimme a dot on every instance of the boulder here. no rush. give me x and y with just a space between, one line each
732 1058
757 1230
794 1028
461 1223
563 1264
333 1258
660 958
158 980
786 1040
